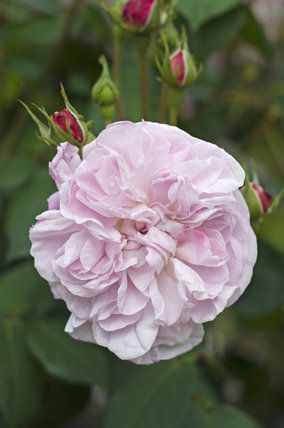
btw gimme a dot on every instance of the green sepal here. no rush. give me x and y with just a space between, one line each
44 130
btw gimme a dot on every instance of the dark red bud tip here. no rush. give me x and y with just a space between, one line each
62 117
264 197
178 66
137 12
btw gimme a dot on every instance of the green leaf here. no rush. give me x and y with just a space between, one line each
272 230
158 396
62 401
217 32
238 22
224 416
22 211
24 292
200 11
253 34
67 358
40 32
269 272
19 383
14 172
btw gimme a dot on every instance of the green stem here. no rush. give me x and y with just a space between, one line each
163 103
174 98
117 74
173 116
144 82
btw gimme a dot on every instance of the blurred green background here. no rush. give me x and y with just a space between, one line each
236 377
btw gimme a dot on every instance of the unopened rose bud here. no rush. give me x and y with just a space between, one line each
263 196
257 198
140 16
178 69
138 13
64 120
67 125
105 92
179 66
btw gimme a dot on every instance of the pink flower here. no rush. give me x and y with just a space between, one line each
62 117
147 238
263 196
137 13
179 66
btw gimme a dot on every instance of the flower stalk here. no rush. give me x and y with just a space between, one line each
144 83
117 46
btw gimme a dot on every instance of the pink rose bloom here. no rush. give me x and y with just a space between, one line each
147 238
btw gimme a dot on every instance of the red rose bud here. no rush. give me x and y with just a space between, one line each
65 125
63 117
137 13
179 66
263 196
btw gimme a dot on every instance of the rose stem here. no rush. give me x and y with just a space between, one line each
173 116
117 73
163 102
144 82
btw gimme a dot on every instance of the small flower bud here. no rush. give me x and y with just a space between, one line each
257 198
140 16
105 92
179 66
263 196
67 125
138 13
178 69
64 119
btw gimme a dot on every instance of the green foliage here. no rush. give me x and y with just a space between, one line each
18 222
23 292
162 395
269 272
172 395
19 383
224 416
66 358
200 11
14 173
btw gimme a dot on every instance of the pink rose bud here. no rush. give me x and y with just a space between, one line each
62 117
263 196
137 13
179 66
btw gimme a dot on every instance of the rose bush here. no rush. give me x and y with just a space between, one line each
147 238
